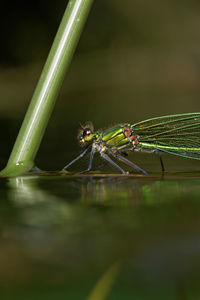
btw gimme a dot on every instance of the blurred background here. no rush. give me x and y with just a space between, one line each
61 235
134 61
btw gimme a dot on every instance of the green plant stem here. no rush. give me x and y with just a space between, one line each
32 130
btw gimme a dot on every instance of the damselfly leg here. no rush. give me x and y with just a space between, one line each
77 158
129 163
162 164
90 162
109 160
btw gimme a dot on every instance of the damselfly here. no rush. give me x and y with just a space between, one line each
173 134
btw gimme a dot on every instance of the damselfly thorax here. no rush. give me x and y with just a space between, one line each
173 134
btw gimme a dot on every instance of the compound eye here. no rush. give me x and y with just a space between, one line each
86 132
87 135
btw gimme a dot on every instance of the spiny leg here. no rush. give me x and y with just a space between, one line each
162 164
90 162
108 159
129 163
77 158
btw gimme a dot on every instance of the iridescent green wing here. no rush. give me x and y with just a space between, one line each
174 134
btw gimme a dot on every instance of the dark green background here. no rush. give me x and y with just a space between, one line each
58 234
135 60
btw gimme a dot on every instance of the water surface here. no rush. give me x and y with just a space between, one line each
61 233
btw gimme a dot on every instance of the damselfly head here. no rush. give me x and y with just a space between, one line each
85 134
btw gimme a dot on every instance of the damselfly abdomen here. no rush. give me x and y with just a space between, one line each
173 134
